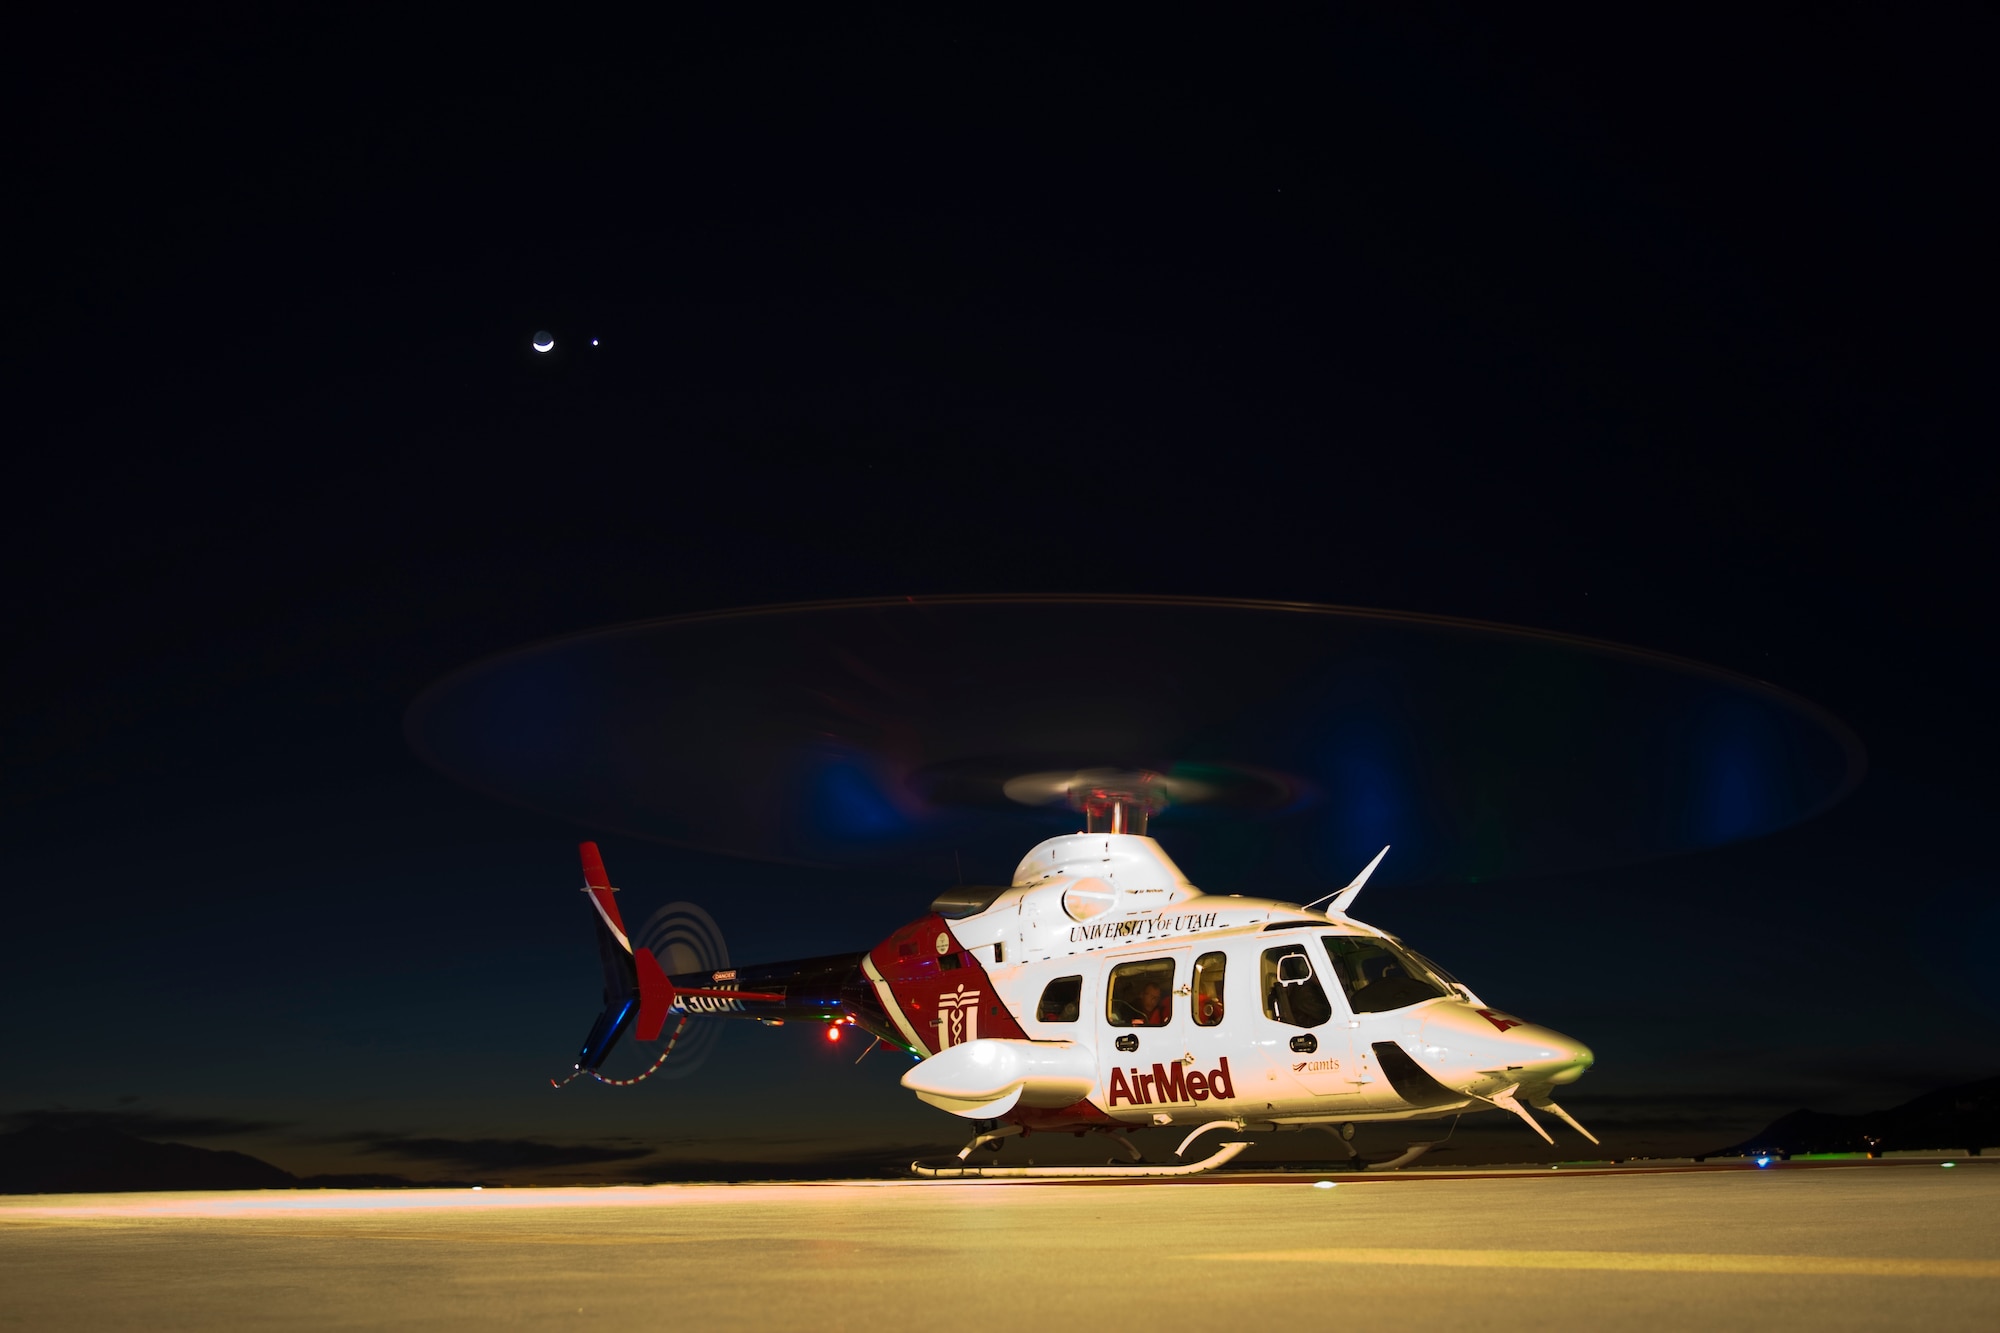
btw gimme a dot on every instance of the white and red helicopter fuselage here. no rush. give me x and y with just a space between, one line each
1103 991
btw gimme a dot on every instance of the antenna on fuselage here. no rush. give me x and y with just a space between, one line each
1343 897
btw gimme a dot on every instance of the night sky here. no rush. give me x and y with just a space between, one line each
1676 332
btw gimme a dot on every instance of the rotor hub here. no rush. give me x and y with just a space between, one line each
1112 800
1119 806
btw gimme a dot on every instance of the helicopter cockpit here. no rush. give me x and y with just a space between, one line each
1379 975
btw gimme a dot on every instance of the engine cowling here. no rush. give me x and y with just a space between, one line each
990 1076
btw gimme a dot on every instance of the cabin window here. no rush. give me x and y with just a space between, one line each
1207 1002
1379 975
1062 1001
1141 994
1292 994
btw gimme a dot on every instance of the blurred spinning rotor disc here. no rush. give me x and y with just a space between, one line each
1292 739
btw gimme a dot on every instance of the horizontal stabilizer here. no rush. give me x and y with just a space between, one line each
658 995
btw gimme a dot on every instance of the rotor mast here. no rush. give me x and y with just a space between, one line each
1123 803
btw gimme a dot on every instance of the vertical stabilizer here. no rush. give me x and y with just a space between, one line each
614 953
602 896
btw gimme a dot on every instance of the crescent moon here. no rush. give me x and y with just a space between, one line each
544 343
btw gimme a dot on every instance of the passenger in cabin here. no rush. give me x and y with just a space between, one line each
1141 994
1208 970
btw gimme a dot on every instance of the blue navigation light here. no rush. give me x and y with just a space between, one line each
1763 1161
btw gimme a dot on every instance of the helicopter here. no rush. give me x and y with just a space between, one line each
1099 992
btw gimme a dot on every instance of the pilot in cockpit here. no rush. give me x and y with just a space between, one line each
1152 1007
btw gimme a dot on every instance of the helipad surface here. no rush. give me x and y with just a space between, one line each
1882 1245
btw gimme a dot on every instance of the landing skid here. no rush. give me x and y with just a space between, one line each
1224 1152
1410 1154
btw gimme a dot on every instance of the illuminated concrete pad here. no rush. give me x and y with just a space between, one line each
1863 1246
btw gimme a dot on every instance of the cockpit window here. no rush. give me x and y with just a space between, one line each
1431 965
1061 1000
1292 994
1379 975
1141 995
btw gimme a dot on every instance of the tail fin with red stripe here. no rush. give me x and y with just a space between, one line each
614 951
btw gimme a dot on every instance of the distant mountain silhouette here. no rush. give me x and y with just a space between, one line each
368 1180
1965 1118
46 1159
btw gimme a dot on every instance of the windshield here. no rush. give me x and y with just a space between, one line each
1379 975
1433 966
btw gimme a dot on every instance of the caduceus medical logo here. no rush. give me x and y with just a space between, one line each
958 1017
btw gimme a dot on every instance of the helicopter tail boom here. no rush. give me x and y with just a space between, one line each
658 995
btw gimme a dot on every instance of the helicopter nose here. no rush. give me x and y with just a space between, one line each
1542 1055
1562 1059
1501 1047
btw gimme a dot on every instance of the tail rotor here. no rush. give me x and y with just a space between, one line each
686 939
678 939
